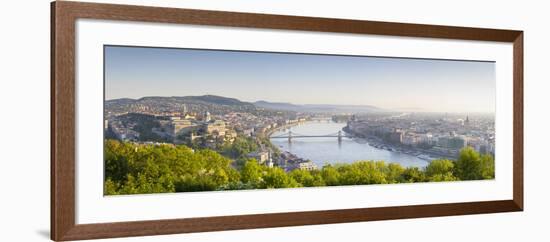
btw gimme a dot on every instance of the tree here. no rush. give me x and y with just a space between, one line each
330 175
307 178
413 174
362 173
443 177
110 187
138 168
240 147
135 168
394 173
251 172
488 167
276 177
116 160
440 170
471 166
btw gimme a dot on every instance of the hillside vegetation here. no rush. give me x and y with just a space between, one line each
137 169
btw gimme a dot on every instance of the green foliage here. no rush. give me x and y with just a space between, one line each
276 177
473 166
116 160
307 178
440 170
111 188
362 172
413 174
251 172
487 167
443 177
137 169
240 147
394 173
317 180
330 175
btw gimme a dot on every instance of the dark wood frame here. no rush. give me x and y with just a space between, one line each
63 17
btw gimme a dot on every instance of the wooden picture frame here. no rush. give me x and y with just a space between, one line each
63 17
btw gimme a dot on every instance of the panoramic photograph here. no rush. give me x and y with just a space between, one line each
192 120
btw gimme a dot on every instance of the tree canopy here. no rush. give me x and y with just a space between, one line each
132 168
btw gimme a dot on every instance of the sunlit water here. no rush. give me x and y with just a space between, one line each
322 150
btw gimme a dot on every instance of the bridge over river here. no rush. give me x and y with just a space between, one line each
290 135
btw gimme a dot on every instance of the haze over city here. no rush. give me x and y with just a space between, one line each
421 85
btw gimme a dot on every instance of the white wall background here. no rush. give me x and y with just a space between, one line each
24 139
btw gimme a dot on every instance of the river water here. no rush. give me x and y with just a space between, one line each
323 150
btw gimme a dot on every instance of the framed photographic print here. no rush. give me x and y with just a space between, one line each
172 120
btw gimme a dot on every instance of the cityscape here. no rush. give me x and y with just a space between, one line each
212 122
165 142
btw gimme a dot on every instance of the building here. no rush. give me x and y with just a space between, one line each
215 128
308 166
269 162
189 116
207 116
480 145
260 156
396 137
126 134
180 126
426 138
184 108
248 132
452 142
410 139
230 135
415 139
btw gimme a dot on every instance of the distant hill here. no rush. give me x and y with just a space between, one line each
216 100
325 108
212 102
206 99
278 106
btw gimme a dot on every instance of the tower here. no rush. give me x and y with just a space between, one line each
207 116
467 122
269 159
289 136
184 109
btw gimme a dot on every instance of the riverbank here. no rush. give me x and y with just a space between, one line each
381 144
270 131
285 159
331 150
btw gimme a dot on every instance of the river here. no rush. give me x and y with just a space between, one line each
322 150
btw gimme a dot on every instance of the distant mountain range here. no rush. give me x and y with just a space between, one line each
278 106
206 99
210 100
211 103
320 108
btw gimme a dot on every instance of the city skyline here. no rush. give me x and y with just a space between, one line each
422 85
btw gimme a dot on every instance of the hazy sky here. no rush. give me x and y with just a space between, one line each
391 83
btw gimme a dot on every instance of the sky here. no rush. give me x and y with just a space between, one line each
422 85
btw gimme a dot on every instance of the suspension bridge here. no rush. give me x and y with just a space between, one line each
290 135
